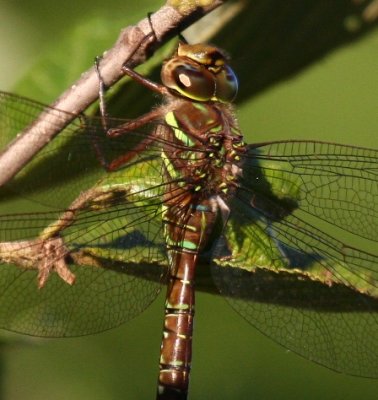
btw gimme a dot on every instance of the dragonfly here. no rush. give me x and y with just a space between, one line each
175 198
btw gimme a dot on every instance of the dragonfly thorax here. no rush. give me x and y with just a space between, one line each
203 150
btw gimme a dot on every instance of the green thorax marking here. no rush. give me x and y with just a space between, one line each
171 120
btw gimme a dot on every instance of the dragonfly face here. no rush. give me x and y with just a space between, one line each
200 73
285 226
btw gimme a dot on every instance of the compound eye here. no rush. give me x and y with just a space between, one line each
190 79
226 85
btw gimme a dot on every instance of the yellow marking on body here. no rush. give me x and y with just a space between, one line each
182 306
235 131
187 227
168 305
169 166
180 135
216 129
182 336
178 306
177 363
203 225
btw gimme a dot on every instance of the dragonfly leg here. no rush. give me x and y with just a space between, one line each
101 94
125 158
103 86
123 130
155 87
135 123
128 126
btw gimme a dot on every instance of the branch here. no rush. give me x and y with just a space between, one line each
133 45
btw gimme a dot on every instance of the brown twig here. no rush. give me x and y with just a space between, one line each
166 22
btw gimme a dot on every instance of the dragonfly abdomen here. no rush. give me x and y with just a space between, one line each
186 231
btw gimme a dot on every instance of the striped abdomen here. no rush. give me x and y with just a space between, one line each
186 236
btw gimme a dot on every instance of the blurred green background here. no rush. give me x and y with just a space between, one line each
334 98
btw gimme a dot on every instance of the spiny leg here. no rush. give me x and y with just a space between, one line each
123 129
129 126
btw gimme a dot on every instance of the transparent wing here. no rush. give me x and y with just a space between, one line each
113 243
112 240
298 255
71 162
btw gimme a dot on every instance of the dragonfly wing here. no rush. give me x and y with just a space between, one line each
332 182
279 262
68 164
113 243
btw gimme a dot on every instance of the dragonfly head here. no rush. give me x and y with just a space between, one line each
200 72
